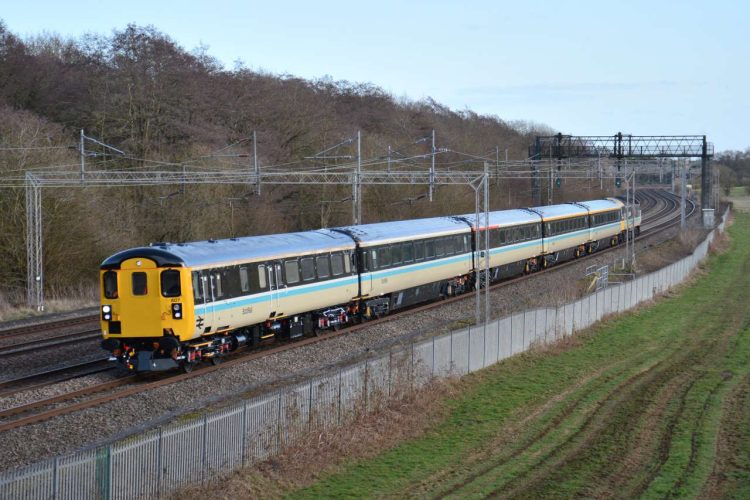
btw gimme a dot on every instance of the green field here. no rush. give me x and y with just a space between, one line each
739 197
655 404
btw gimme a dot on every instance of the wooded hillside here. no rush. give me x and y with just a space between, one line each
142 93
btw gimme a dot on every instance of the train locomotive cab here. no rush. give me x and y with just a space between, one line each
175 305
146 309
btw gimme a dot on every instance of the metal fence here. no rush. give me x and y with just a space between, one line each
163 459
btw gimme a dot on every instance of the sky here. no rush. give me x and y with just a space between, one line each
581 67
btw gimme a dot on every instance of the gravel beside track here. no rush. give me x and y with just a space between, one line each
94 425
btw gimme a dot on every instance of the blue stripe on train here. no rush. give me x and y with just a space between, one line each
351 280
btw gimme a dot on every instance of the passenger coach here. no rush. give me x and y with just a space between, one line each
406 262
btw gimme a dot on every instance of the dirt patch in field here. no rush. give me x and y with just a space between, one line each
729 444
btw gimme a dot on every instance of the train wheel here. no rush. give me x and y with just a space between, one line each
216 360
187 367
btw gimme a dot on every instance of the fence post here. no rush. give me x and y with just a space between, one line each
412 368
55 486
278 426
367 399
390 370
468 352
109 472
338 419
498 340
160 468
484 345
244 433
205 450
450 358
433 357
309 406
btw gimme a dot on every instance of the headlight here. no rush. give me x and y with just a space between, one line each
106 312
106 309
177 310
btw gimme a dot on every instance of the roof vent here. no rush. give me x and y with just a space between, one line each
212 241
158 244
234 239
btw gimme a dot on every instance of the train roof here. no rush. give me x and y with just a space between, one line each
504 218
387 232
595 206
561 211
247 249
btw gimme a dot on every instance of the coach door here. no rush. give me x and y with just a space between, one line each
275 283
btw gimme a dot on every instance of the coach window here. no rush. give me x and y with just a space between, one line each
449 246
408 252
373 261
217 285
308 268
197 288
384 257
170 283
396 254
429 249
244 280
350 259
495 238
292 271
258 279
337 264
322 265
140 284
419 250
439 247
110 284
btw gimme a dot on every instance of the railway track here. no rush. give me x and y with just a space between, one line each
54 376
48 342
660 215
25 330
667 215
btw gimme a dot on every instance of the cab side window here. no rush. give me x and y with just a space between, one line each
170 283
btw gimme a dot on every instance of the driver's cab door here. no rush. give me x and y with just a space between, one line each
203 297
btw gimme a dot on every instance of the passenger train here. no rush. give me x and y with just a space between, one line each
171 306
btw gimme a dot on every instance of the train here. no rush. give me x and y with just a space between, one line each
173 305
